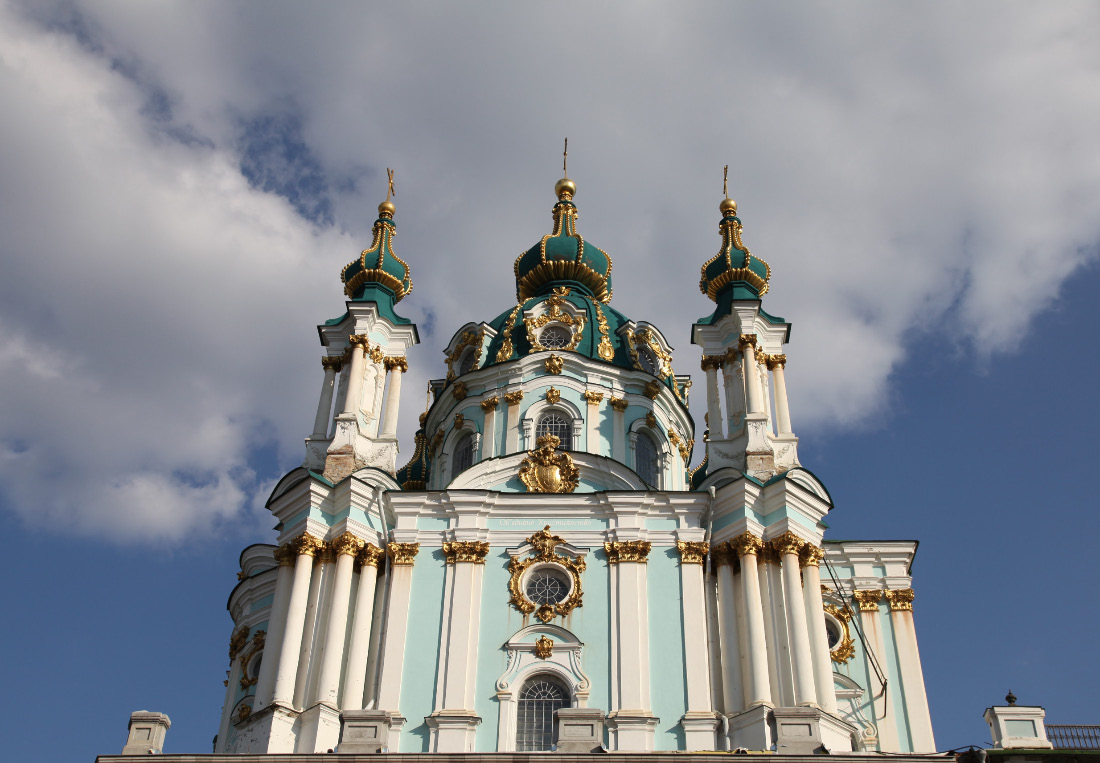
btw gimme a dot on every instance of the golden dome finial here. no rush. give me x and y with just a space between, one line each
728 207
565 188
386 208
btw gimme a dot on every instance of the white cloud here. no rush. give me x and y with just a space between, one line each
911 174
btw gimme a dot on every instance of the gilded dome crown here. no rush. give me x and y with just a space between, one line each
734 268
378 265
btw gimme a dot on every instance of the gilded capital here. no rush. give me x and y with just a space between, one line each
490 404
359 340
465 551
593 398
868 600
347 545
691 551
370 556
777 361
458 389
787 543
627 551
745 340
402 554
306 545
810 555
285 554
720 554
553 395
712 362
761 357
396 364
652 389
901 599
513 398
746 543
332 362
618 403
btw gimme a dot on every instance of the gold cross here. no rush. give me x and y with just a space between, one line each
565 159
725 173
389 190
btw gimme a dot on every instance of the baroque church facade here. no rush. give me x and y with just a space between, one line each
546 571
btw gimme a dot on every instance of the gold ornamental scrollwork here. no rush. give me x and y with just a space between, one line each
545 470
618 403
259 638
402 554
473 551
901 599
553 395
544 647
619 551
692 551
347 545
554 364
237 642
868 600
846 647
307 545
506 347
544 551
370 556
469 339
393 363
593 398
490 404
555 315
746 543
787 543
810 555
459 390
285 555
460 419
652 389
604 350
513 398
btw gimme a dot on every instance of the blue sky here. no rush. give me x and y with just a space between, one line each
181 184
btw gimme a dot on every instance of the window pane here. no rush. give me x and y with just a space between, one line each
535 714
547 586
555 337
558 425
464 455
645 452
467 362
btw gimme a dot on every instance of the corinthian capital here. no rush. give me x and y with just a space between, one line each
746 543
306 545
347 545
465 551
787 543
811 555
402 553
399 364
627 551
370 556
901 600
868 600
691 551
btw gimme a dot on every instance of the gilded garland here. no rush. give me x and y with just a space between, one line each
547 471
544 553
845 648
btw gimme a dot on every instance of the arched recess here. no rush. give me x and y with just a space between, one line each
537 409
849 703
640 428
454 436
525 651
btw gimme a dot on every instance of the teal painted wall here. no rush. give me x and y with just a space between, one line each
668 688
422 648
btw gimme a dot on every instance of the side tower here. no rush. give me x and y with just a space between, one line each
366 347
746 431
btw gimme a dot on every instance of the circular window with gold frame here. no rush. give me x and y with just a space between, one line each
546 583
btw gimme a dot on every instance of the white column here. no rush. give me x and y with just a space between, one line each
402 556
714 406
276 625
912 676
459 637
618 429
631 720
775 627
305 684
789 545
359 647
868 601
733 690
511 438
306 547
324 405
699 722
592 421
489 436
810 557
233 677
782 413
734 380
328 684
752 375
355 376
395 369
747 546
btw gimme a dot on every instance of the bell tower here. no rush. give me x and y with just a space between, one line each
747 414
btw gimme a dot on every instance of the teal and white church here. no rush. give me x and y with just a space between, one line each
546 571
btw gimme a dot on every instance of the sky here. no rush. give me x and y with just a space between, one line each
182 182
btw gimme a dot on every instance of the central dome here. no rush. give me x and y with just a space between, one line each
564 258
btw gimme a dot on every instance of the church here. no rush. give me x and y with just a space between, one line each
544 571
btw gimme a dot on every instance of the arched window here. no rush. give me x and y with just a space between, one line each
647 360
538 700
468 360
557 424
645 455
463 457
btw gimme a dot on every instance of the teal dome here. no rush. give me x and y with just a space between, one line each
734 272
378 266
564 258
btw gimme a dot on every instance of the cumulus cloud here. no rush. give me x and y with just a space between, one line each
183 182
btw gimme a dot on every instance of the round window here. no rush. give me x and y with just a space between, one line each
555 337
832 632
547 585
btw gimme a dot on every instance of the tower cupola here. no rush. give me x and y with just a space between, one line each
378 271
733 273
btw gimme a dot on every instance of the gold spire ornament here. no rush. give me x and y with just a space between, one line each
387 207
728 207
565 188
